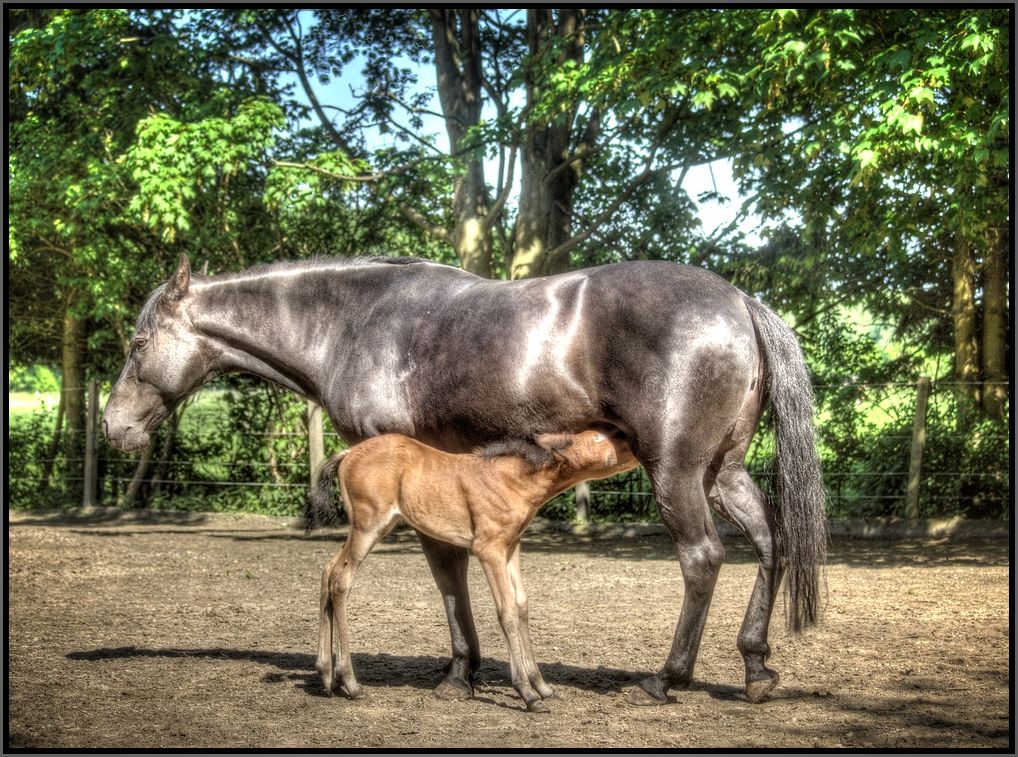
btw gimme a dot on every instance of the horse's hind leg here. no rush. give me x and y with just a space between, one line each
683 506
449 568
738 500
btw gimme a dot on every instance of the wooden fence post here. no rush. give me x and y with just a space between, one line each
88 498
915 463
316 441
583 502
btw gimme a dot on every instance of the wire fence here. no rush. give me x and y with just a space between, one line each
225 451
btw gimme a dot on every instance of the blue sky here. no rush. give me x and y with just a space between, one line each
713 177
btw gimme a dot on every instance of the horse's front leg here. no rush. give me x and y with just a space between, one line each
449 567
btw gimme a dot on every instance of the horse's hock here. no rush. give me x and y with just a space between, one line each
198 630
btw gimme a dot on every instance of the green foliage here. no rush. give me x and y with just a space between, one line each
32 378
28 436
872 140
175 163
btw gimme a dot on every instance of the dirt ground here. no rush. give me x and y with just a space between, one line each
200 631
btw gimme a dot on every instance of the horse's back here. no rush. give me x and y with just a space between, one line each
614 344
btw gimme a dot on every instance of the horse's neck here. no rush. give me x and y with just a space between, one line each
269 324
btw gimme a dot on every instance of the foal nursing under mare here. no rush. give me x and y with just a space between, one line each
482 501
674 358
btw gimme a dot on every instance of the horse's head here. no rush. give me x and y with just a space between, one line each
167 361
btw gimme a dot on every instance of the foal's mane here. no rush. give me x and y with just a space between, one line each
536 458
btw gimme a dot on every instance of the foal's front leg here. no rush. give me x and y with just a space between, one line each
522 607
494 560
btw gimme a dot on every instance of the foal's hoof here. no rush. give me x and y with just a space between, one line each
355 692
649 692
757 691
454 689
538 705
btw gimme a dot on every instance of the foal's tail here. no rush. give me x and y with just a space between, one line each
800 489
320 506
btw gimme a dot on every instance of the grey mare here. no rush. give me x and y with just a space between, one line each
673 357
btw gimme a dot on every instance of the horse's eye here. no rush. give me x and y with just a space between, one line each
140 342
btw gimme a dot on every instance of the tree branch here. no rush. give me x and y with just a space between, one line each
496 208
297 59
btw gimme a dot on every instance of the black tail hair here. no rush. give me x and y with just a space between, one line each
320 507
800 488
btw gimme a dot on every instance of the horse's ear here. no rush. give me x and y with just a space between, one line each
205 268
181 280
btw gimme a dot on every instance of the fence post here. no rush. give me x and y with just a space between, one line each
88 498
316 441
583 502
915 463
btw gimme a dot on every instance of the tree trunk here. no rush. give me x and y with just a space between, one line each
54 447
458 69
994 336
72 390
963 313
551 169
137 479
165 451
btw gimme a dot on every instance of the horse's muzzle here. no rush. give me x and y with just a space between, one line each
126 437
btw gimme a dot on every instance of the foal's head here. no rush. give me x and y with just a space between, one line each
588 454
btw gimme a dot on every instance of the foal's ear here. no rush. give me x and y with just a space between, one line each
554 443
180 281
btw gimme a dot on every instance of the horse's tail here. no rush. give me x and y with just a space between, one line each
799 488
320 506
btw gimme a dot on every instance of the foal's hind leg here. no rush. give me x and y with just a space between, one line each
685 512
334 662
738 500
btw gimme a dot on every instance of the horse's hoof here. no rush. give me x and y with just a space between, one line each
648 693
549 694
537 706
454 689
757 691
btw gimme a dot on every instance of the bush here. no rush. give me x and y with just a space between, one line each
32 378
28 441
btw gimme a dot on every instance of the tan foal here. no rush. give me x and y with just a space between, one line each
483 501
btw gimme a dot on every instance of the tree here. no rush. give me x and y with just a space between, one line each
88 234
902 130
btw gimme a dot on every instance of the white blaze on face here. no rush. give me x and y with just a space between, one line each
548 343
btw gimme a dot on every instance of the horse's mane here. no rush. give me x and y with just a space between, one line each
146 318
320 262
